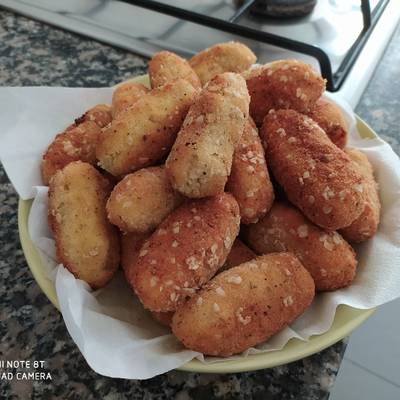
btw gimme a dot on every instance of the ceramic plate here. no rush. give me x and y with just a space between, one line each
346 318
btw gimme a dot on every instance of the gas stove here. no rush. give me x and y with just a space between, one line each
344 39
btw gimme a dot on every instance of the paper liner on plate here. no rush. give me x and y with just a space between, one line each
115 334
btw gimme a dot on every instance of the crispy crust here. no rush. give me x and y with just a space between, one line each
329 117
145 132
186 250
223 57
328 258
77 142
282 84
140 201
249 181
132 242
167 67
317 176
130 247
366 225
245 305
100 114
125 96
201 158
86 243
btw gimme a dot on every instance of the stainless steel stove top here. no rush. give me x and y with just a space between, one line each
333 25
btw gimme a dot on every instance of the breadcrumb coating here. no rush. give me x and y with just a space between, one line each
201 158
145 132
317 176
185 251
140 201
245 305
220 58
283 84
325 254
366 225
167 67
86 243
249 180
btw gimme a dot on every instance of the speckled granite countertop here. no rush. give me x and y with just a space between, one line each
32 53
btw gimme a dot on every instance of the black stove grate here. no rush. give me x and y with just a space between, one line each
334 79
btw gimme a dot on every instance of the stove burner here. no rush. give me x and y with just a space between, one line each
283 8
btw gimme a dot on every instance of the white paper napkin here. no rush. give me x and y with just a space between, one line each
110 327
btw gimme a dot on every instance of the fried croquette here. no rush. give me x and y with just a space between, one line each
325 254
317 176
130 248
329 117
125 96
167 67
86 243
249 180
145 132
220 58
76 143
185 251
201 158
245 305
284 84
140 201
100 114
366 225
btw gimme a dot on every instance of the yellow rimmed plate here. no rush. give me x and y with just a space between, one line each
346 318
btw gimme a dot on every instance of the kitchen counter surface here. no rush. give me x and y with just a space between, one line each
32 53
